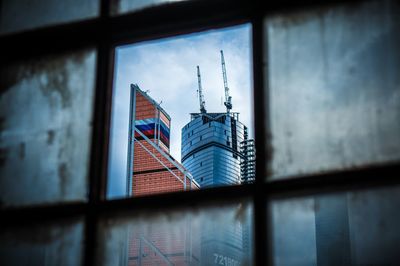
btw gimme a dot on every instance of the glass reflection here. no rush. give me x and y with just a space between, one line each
357 228
211 236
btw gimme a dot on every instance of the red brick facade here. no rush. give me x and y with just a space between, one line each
150 176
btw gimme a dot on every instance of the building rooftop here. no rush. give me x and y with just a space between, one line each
214 116
148 97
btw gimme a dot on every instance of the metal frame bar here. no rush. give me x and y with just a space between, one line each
356 180
261 129
105 33
131 145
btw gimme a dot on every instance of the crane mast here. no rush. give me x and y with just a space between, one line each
200 93
228 99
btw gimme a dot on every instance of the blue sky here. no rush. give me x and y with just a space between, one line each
167 69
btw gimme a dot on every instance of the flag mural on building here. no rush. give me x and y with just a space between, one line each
153 129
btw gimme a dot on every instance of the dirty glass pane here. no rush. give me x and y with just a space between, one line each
333 79
46 119
18 15
214 235
125 6
354 228
51 243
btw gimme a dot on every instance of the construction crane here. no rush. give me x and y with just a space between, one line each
200 93
228 99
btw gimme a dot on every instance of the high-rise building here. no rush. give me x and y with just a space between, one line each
211 148
151 169
215 146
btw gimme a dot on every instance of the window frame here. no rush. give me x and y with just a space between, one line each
105 33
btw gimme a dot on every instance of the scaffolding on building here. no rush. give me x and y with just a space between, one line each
248 162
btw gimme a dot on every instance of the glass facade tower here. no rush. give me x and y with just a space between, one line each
211 148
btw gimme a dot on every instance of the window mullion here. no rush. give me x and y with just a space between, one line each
261 127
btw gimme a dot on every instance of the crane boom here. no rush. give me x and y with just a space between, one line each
200 93
228 99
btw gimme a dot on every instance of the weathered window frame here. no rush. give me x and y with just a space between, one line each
105 33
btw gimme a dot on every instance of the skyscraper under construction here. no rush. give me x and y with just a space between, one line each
211 148
215 147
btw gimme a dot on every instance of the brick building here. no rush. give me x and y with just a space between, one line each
154 169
